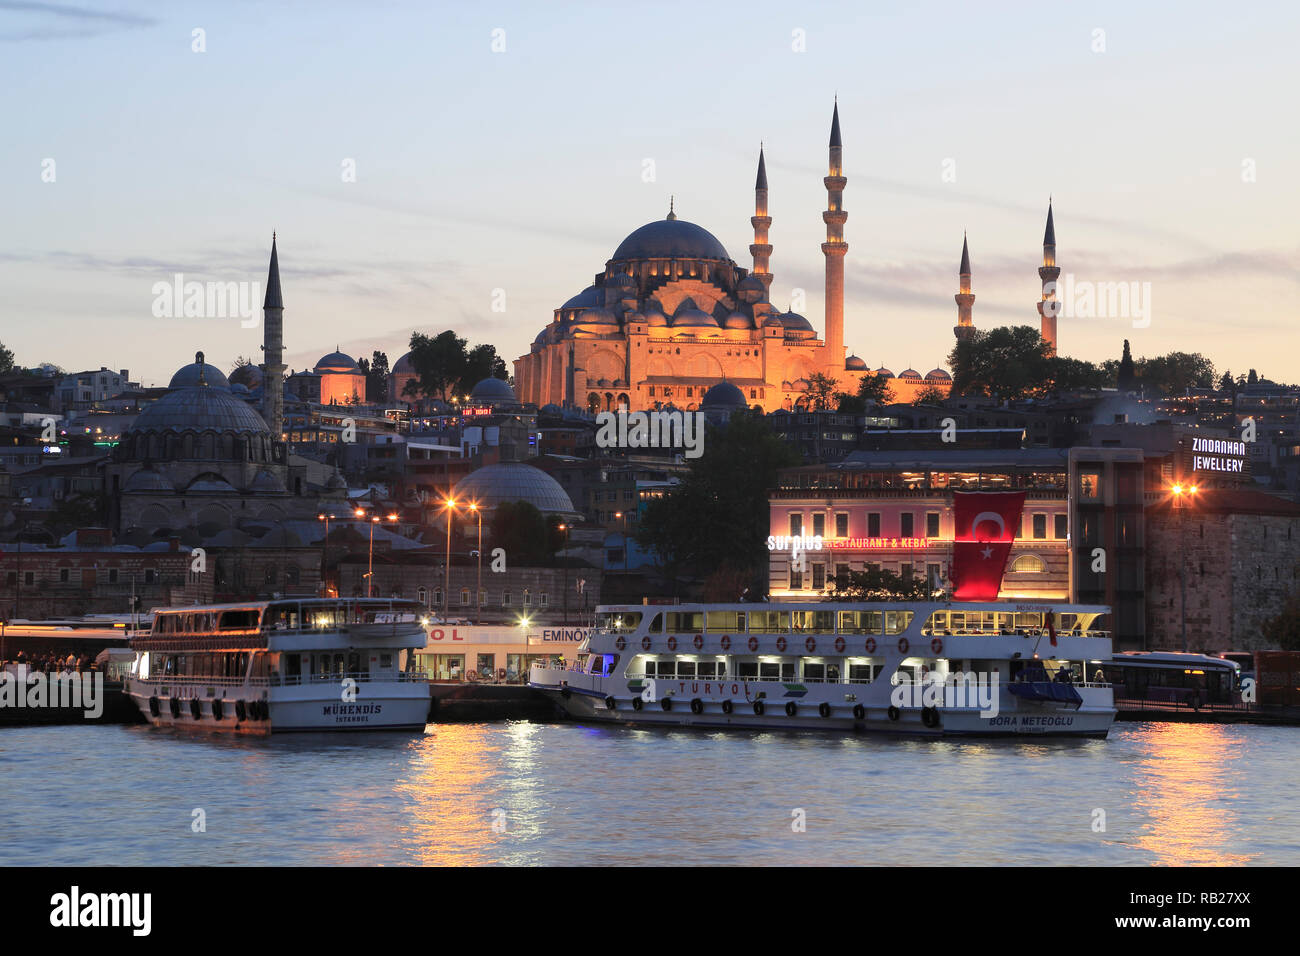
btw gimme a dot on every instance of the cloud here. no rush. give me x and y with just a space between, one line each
92 23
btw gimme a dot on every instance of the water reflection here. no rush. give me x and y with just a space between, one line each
1185 783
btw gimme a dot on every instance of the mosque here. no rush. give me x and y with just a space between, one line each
672 315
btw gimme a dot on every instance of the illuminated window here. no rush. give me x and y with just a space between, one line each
1089 485
1028 564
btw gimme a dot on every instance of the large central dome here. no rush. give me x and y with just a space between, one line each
671 239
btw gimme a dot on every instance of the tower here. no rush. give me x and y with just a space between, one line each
834 249
273 350
1048 306
965 298
761 250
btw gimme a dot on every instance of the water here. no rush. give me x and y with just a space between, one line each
573 794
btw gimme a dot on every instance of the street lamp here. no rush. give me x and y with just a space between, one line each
370 562
1183 496
325 556
563 540
478 590
622 516
449 505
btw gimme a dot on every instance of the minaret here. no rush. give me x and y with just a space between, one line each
761 250
1049 307
965 298
273 350
834 249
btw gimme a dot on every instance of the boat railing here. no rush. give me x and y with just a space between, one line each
337 677
191 681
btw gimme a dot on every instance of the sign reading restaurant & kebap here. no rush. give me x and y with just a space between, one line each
1218 454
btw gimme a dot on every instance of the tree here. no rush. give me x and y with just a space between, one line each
878 584
930 395
481 362
1010 362
718 515
240 362
444 367
1068 374
1252 378
818 394
1175 373
1126 378
1227 383
376 370
6 360
847 404
875 388
528 537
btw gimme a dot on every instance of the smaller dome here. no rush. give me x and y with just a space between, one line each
793 321
937 375
910 375
493 391
189 375
266 483
336 360
799 385
855 364
722 396
588 298
543 336
691 316
403 366
885 372
249 376
773 321
620 280
212 483
551 410
148 480
655 319
597 318
737 321
240 389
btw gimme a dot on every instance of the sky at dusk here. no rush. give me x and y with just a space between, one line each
1164 133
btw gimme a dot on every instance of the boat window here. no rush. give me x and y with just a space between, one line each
686 668
769 622
725 622
657 624
860 622
815 622
706 670
1029 619
896 622
813 671
618 622
769 670
666 669
240 620
685 622
863 673
747 669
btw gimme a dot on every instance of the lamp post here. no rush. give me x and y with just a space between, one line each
1181 503
370 561
563 539
622 516
450 507
478 587
325 556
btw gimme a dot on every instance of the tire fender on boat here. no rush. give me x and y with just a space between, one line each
859 712
217 710
727 706
791 708
893 712
175 705
824 709
930 716
636 703
609 703
241 710
666 703
697 706
196 709
153 706
759 708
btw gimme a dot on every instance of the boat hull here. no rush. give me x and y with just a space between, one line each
393 706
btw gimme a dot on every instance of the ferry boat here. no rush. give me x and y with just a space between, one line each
923 668
283 665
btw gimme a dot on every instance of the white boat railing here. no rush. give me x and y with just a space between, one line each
277 680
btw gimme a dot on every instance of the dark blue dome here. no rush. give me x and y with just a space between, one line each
188 376
724 395
671 239
493 391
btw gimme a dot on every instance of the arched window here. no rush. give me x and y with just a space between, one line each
422 595
527 598
1028 563
593 403
464 596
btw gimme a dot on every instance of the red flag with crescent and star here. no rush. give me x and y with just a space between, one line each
984 531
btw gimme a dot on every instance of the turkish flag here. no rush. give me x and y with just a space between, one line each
985 530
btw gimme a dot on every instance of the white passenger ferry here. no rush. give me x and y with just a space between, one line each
922 668
283 665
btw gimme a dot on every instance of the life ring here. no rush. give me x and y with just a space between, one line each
839 645
903 645
196 709
471 675
698 641
871 645
666 703
621 642
501 673
930 716
645 643
759 708
753 644
175 704
727 706
824 709
241 710
217 710
936 645
153 706
859 712
637 703
780 644
697 706
893 712
791 708
811 644
609 703
672 643
726 642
